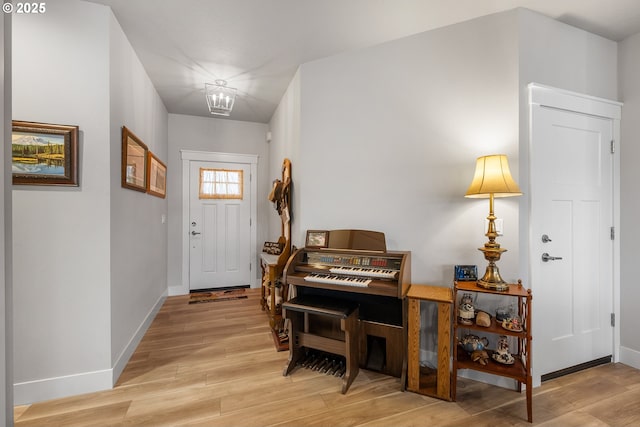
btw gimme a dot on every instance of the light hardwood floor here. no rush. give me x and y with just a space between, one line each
214 364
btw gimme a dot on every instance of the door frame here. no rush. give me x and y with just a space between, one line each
187 157
547 96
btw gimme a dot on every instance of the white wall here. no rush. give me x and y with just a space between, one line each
138 234
629 65
213 135
285 132
6 297
390 135
61 235
89 262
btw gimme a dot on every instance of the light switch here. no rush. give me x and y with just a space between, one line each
163 218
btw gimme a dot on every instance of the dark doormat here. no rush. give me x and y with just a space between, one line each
217 295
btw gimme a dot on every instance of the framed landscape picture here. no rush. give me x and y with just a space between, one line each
157 177
134 161
44 154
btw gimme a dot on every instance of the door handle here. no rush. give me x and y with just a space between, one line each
546 257
193 233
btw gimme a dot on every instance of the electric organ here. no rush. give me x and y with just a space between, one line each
356 267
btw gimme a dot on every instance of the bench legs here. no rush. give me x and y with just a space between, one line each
296 352
349 348
352 340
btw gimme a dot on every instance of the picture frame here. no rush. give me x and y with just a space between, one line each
44 154
134 161
272 248
317 239
156 177
466 273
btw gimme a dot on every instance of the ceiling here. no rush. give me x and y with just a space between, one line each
257 45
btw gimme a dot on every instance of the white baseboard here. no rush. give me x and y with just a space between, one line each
85 382
630 357
128 351
54 388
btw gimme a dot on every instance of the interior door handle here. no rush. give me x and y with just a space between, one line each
546 257
193 233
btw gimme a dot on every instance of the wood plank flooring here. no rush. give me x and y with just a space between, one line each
214 364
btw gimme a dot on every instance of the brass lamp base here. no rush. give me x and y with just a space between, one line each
492 280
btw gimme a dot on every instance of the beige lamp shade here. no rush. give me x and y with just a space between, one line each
493 176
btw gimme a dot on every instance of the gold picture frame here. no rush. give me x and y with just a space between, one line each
134 161
156 177
44 154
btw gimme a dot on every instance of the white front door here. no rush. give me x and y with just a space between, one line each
219 224
571 221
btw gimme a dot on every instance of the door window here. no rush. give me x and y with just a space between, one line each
220 184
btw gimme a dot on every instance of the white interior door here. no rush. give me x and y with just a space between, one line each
572 205
219 224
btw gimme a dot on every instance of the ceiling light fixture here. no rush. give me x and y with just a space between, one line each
220 98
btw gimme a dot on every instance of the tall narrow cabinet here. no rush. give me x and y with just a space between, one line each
520 370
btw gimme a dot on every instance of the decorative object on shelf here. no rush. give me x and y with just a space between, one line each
220 97
483 319
502 354
134 162
466 312
503 313
480 356
466 273
44 154
512 324
492 179
472 342
156 177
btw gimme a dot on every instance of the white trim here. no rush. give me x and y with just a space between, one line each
54 388
566 100
127 352
546 96
188 156
87 382
630 357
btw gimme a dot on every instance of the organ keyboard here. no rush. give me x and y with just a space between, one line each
357 267
337 280
365 272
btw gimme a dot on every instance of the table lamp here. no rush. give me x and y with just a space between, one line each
492 179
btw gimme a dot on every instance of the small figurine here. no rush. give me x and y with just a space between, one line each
502 354
466 312
480 356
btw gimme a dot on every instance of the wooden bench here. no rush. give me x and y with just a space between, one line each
325 324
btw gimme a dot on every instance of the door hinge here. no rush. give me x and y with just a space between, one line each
613 233
613 320
613 146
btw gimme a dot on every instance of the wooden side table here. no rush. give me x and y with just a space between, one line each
430 382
